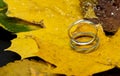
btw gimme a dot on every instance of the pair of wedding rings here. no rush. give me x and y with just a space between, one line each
85 46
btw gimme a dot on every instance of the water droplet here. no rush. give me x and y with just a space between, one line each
112 13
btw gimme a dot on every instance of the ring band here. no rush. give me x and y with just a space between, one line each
83 34
78 22
75 44
85 50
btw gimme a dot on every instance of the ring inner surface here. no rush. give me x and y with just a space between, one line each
83 38
85 48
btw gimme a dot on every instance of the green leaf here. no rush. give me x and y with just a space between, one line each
13 24
2 4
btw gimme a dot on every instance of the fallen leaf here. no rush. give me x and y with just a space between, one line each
24 68
53 13
34 73
26 47
56 50
52 43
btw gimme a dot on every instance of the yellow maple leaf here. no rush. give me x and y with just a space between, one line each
56 50
53 13
52 43
55 16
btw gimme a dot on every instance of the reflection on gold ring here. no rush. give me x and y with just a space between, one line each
80 45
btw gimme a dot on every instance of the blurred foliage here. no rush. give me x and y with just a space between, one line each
2 4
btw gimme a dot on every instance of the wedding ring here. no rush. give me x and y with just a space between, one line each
79 22
83 34
78 45
85 50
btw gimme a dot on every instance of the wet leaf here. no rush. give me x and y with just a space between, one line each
51 12
66 59
52 43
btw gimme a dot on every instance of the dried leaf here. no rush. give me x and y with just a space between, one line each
23 68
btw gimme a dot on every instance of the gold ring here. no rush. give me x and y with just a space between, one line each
81 49
76 44
78 22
